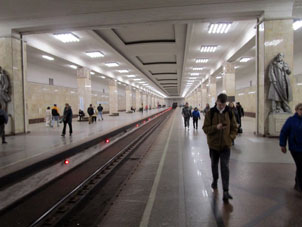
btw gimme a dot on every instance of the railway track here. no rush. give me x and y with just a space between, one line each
62 198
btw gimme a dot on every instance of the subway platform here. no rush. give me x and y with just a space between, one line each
43 142
171 187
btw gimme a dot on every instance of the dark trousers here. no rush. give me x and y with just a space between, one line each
2 132
64 128
224 156
187 121
297 156
195 122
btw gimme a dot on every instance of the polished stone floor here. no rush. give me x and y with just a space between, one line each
172 185
43 141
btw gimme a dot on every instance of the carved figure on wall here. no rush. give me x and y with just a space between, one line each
4 89
280 91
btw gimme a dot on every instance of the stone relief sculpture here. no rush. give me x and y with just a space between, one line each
280 91
4 89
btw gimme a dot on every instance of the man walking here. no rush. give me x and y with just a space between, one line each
196 117
221 128
3 121
186 113
90 112
67 119
55 115
100 112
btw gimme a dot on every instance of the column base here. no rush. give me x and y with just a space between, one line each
275 123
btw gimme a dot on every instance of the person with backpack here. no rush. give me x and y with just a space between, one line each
186 113
55 115
3 121
67 119
196 116
240 115
100 112
221 128
292 132
90 112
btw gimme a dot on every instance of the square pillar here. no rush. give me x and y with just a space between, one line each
228 80
128 98
113 97
84 88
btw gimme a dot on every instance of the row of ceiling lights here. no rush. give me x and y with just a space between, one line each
70 37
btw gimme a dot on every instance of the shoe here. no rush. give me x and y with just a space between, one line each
63 135
214 186
70 134
297 188
4 142
226 196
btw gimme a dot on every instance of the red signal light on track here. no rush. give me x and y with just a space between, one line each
137 125
66 162
107 141
149 119
144 122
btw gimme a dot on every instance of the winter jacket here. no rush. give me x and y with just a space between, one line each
220 139
196 114
186 112
292 130
55 111
4 116
67 117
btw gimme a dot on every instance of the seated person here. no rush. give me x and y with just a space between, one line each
132 108
81 114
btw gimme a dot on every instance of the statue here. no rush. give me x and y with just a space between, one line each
280 91
4 89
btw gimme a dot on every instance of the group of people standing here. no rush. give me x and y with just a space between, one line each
221 125
94 113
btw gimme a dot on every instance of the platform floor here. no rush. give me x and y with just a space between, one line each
43 141
172 185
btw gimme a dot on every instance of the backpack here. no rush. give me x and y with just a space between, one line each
2 120
212 111
54 112
90 111
100 108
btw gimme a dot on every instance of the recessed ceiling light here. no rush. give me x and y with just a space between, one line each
197 69
73 66
245 59
297 25
92 73
123 71
66 37
201 60
95 54
219 28
141 82
103 77
194 74
131 76
218 77
48 57
208 49
193 78
111 64
137 79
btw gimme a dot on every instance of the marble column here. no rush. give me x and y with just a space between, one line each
199 106
204 96
13 61
228 80
212 91
128 98
145 100
138 102
84 88
113 97
280 32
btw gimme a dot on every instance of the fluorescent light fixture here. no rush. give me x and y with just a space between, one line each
194 74
208 85
92 73
297 24
193 78
208 49
219 28
236 67
201 60
131 76
123 71
275 42
73 66
141 82
218 77
252 92
245 59
103 77
95 54
66 37
137 79
111 64
87 85
299 84
240 94
48 57
197 69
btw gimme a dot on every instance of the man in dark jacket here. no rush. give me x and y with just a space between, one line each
221 128
100 112
3 121
67 119
292 131
186 113
90 112
240 112
196 117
